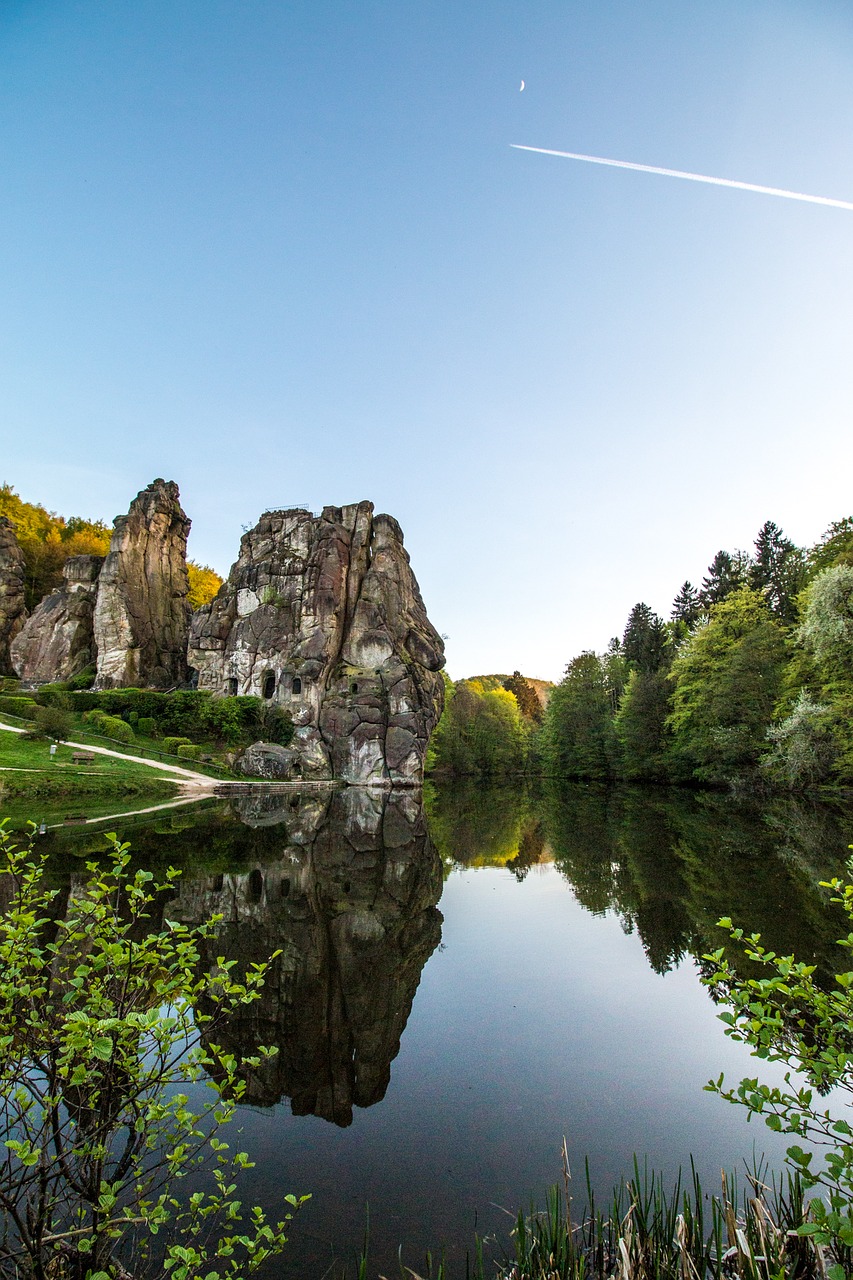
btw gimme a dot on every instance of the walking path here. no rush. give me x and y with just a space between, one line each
185 774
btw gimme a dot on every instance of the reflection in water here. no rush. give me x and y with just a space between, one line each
668 862
348 899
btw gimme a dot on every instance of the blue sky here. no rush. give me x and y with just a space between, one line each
283 253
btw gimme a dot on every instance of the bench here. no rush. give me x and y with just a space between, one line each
82 757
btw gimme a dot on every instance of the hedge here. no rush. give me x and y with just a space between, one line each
147 726
189 751
109 726
187 713
25 708
171 745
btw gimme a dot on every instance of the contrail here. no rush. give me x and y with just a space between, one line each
692 177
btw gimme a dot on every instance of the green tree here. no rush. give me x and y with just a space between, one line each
686 610
578 734
641 726
525 695
101 1058
725 574
727 679
835 547
480 732
778 570
645 640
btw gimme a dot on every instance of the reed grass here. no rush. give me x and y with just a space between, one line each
647 1231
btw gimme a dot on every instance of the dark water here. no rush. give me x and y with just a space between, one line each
460 988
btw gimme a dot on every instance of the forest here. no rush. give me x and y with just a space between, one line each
748 683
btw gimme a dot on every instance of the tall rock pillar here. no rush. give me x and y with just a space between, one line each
141 614
13 613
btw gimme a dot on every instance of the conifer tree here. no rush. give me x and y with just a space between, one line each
724 576
644 642
686 608
777 571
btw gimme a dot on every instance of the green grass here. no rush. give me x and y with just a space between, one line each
27 769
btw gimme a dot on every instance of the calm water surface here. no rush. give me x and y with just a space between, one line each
461 987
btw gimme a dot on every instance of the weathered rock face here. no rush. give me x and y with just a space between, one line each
323 615
141 613
350 903
13 613
57 640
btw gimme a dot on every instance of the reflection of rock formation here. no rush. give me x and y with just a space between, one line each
57 640
322 615
13 612
351 905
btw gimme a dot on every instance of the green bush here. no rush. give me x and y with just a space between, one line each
189 751
25 708
147 726
132 717
112 727
170 745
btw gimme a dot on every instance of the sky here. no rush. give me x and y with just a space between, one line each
283 252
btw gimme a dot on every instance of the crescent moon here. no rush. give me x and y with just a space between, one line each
521 90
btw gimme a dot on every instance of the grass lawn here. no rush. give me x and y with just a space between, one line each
28 769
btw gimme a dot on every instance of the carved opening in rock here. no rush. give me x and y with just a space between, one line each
285 887
296 687
347 886
296 769
294 802
232 686
256 886
268 684
216 884
354 687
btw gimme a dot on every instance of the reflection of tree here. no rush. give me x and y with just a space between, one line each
349 901
481 825
670 863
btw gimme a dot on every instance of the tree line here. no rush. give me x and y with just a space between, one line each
749 681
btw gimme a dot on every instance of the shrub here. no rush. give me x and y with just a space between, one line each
147 726
52 722
24 708
170 745
113 727
132 717
789 1017
106 1143
188 751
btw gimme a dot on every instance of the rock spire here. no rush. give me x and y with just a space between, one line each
13 613
141 612
323 616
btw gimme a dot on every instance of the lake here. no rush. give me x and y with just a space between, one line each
463 983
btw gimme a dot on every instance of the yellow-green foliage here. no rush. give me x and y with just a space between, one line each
204 584
480 732
47 540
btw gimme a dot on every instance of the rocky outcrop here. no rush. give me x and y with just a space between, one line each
57 640
13 613
141 612
323 615
350 906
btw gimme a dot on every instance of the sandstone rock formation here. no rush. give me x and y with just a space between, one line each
141 612
13 613
350 902
323 615
57 640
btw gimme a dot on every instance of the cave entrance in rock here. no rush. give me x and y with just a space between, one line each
232 686
296 687
268 684
296 769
